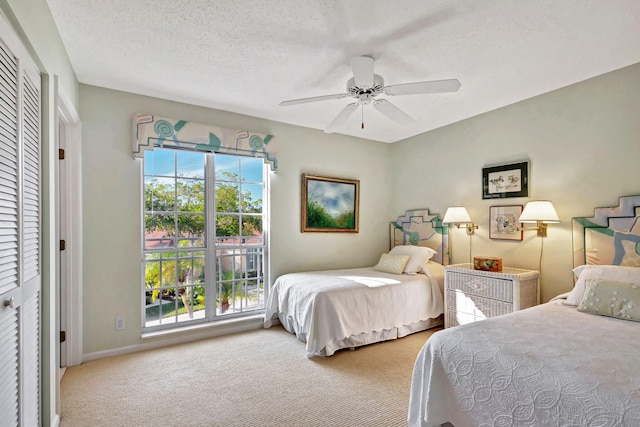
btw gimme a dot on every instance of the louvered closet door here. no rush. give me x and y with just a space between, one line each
20 234
30 245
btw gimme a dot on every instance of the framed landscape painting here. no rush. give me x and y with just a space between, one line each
329 204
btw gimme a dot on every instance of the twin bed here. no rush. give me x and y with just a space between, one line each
570 362
333 310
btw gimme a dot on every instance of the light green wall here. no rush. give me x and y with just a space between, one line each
583 144
112 232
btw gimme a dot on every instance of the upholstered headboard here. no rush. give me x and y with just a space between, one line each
419 227
611 236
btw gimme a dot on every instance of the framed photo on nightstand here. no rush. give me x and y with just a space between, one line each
503 222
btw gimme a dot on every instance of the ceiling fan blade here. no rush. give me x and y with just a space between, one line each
362 71
391 111
313 99
341 117
434 86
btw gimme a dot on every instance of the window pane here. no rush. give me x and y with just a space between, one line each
224 263
226 296
152 275
168 273
159 194
184 272
251 169
227 167
162 310
190 164
159 162
197 274
254 294
159 231
191 225
227 225
252 226
190 195
160 222
251 198
229 267
190 303
227 197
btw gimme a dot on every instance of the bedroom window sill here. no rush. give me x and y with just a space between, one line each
212 329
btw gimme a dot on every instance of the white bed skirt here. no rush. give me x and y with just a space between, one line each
361 339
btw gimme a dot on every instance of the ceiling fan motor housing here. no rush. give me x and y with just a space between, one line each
356 91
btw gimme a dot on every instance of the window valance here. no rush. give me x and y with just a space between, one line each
152 131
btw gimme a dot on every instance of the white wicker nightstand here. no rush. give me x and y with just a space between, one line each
472 295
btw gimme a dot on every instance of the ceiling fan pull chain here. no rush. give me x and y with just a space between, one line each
362 116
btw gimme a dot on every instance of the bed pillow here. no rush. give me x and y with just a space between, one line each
435 272
611 272
393 264
611 298
418 256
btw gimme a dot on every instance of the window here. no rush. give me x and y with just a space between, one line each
204 242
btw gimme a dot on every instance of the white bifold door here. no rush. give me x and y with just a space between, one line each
20 234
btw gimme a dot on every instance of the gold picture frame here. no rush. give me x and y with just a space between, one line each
329 204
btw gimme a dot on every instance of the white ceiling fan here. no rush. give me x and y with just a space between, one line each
364 86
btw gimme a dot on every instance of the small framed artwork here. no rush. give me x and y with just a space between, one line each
329 204
505 181
503 222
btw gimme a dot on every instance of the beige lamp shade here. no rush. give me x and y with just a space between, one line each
539 211
456 215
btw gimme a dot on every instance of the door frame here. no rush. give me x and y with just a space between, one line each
70 194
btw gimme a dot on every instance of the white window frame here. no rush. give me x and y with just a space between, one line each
211 260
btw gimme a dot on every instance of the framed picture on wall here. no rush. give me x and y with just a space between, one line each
505 181
503 222
329 204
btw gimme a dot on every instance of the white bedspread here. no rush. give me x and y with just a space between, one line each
549 365
323 307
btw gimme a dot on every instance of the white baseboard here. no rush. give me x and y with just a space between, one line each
168 338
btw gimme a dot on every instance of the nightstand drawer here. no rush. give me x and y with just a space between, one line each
471 295
489 287
477 306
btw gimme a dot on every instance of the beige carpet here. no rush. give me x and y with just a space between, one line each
257 378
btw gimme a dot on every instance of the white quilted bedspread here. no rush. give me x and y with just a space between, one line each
323 307
549 365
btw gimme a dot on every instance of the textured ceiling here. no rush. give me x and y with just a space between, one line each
247 56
